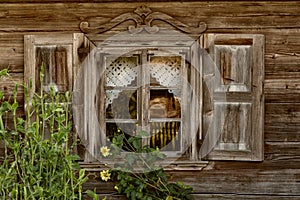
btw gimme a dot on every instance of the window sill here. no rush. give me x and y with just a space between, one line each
175 166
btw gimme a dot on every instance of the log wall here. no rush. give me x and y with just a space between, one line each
278 176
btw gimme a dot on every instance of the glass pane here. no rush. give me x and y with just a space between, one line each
121 104
115 129
165 135
165 71
164 104
121 71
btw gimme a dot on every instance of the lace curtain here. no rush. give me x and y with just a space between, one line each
122 72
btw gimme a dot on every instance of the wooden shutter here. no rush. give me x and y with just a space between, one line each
84 93
61 56
55 53
233 96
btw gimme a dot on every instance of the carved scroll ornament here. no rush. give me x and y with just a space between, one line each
143 17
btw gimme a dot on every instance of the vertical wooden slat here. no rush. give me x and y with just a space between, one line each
29 65
208 76
85 117
225 67
185 139
195 105
258 98
61 77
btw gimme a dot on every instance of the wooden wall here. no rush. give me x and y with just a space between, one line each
278 176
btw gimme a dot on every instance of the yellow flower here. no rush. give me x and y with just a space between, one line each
105 175
105 151
169 198
116 188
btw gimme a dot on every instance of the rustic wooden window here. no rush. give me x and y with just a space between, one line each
144 90
201 124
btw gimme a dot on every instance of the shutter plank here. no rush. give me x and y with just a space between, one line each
258 97
61 77
57 67
85 116
196 99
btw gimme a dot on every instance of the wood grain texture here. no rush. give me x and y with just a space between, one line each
238 116
247 180
278 176
112 196
7 85
242 15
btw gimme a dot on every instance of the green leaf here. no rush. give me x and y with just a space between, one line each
1 95
92 194
21 128
133 195
139 195
5 106
131 139
16 88
58 110
137 144
161 155
120 138
15 105
131 159
67 95
81 173
75 157
169 198
144 133
149 198
3 72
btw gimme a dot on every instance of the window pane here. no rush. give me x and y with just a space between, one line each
165 135
121 104
165 71
121 71
164 104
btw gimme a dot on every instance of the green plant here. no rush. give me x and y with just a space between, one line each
38 163
138 176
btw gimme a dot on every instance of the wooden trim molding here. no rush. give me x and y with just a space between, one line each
173 166
143 17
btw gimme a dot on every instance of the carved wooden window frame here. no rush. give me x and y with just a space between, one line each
144 88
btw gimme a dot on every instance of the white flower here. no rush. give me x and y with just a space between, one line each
105 175
105 151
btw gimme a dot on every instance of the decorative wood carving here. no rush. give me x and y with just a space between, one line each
143 17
